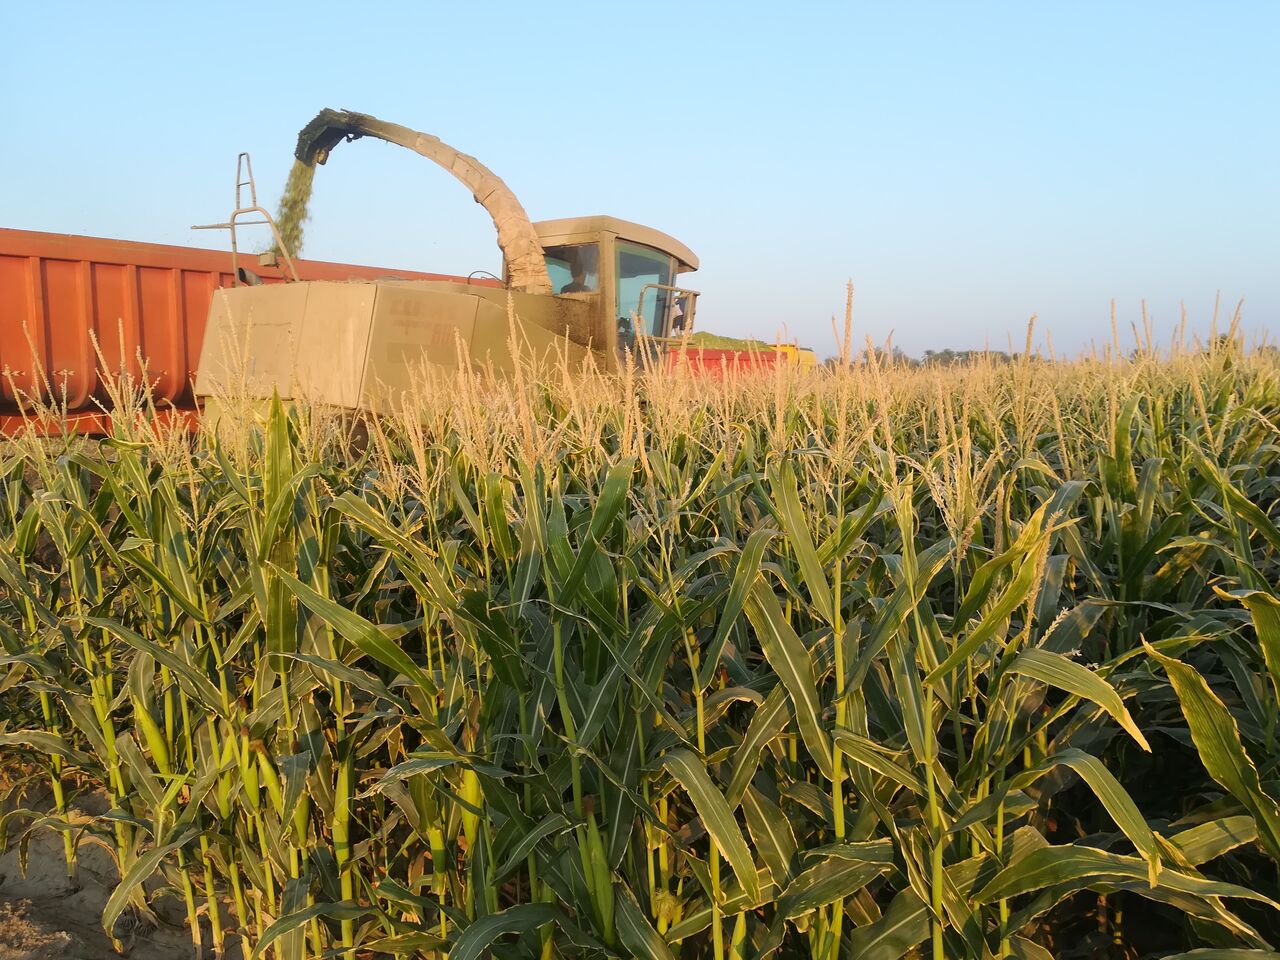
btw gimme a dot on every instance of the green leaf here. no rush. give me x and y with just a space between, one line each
47 743
405 944
772 833
827 881
344 910
1086 867
550 825
1069 631
270 534
868 851
745 575
1016 594
418 567
769 720
636 932
495 507
20 583
1057 671
609 502
893 613
134 551
1114 798
1265 611
369 638
904 925
1217 740
983 582
139 873
495 635
1240 504
1207 841
359 679
790 660
716 814
786 500
480 935
881 760
412 767
196 684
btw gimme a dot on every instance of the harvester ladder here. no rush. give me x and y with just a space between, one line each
244 178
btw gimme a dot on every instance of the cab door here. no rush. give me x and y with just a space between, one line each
642 305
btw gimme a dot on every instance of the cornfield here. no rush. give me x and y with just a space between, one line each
868 663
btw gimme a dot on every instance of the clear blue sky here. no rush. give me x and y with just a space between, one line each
967 164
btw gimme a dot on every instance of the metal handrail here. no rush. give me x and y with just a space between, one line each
693 304
244 178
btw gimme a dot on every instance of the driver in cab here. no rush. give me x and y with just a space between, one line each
578 283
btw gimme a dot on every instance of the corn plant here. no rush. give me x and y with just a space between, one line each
873 662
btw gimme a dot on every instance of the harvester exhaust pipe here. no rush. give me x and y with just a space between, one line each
516 236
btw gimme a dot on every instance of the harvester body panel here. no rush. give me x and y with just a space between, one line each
363 345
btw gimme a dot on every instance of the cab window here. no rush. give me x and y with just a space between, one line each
640 267
573 268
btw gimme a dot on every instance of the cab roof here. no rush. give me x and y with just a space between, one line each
635 232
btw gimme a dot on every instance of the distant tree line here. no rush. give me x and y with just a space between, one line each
946 358
896 356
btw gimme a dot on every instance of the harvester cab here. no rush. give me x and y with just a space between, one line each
628 273
585 291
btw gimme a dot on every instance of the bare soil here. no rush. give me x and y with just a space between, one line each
43 917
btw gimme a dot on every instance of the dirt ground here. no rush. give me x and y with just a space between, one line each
41 919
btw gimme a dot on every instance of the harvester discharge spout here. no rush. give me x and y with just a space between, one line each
321 135
526 267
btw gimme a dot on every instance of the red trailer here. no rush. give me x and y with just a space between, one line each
148 299
721 363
